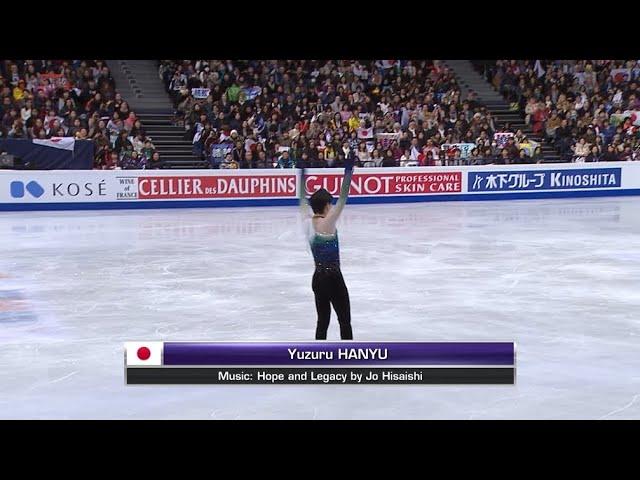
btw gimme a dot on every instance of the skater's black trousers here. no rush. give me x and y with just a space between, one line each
329 288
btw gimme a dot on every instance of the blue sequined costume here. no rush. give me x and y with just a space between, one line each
326 250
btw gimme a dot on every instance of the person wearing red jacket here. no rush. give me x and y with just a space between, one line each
425 158
538 118
303 125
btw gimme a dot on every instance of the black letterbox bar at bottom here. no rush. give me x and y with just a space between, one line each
319 376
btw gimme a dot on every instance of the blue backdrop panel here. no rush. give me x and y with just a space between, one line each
46 158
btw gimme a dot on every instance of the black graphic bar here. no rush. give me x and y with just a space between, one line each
320 376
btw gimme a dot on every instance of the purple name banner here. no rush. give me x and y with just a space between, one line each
339 353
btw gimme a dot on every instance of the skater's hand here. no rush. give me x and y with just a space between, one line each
349 162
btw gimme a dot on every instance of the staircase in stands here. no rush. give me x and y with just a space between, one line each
140 85
470 79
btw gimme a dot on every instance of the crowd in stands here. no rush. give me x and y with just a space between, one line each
286 113
589 110
41 99
283 113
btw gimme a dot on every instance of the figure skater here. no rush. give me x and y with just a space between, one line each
327 284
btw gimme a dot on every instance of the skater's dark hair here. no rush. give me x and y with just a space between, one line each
319 200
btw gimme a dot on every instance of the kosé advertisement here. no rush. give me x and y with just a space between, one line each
38 187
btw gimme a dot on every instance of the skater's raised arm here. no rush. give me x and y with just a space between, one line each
335 212
304 204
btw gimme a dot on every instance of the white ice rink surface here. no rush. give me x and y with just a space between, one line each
559 277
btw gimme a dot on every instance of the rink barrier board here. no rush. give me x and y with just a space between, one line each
165 204
126 189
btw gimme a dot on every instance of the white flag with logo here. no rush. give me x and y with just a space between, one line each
64 143
620 74
200 92
143 353
364 133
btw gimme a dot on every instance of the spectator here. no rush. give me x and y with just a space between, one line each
330 155
36 129
138 142
405 158
129 121
138 128
284 161
610 155
17 129
474 157
593 156
262 161
304 160
115 125
26 111
537 155
505 157
627 154
74 128
363 154
488 156
9 118
552 125
132 160
581 150
389 160
372 159
229 162
522 157
82 134
112 162
249 161
122 143
155 162
148 149
238 153
19 92
564 140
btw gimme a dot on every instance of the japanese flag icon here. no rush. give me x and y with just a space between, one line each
143 353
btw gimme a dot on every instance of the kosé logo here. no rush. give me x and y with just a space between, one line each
53 189
33 188
79 189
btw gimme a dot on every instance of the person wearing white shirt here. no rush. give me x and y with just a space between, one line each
581 150
405 158
25 112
